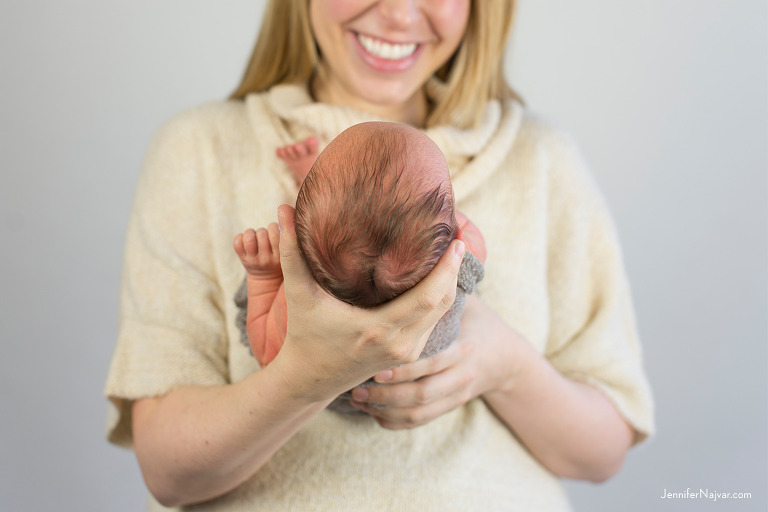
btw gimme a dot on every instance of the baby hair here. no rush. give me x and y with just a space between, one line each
373 216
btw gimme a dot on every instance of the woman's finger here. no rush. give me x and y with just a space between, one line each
425 366
432 296
409 319
453 380
396 418
296 275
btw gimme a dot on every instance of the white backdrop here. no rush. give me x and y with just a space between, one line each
668 99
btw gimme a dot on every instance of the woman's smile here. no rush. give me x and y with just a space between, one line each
376 56
385 50
386 56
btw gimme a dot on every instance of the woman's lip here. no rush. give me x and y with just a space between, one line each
382 64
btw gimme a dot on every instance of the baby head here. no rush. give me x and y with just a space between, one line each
375 213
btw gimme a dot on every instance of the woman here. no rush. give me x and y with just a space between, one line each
546 379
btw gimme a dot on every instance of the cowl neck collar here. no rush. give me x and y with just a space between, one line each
472 154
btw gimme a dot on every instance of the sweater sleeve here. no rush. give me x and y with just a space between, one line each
171 326
593 336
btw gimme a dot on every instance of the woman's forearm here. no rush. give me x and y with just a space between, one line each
197 443
570 427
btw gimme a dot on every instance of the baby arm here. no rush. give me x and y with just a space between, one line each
260 255
471 236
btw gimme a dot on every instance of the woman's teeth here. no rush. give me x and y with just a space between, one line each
385 50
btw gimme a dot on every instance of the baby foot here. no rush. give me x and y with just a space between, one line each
299 157
259 251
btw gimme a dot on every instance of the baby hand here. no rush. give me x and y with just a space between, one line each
259 251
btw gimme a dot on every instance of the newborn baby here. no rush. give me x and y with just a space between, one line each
374 213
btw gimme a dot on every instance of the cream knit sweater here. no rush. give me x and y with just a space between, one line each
554 272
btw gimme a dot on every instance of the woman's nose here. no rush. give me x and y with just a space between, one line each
399 13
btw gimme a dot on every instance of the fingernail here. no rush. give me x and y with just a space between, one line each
383 376
360 394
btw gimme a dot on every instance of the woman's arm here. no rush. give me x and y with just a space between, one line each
196 443
570 427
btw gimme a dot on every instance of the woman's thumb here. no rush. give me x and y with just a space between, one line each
295 271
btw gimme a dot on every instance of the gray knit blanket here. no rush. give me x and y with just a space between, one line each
445 332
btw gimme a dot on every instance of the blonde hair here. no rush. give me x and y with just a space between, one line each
285 52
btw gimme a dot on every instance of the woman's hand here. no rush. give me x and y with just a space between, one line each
569 426
480 360
331 346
